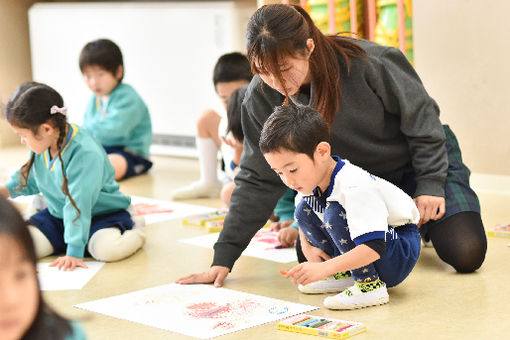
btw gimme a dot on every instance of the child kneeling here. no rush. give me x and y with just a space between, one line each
72 172
358 232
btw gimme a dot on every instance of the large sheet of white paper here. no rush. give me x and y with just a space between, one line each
201 311
264 245
157 210
51 278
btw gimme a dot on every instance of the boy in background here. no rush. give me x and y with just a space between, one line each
231 72
116 115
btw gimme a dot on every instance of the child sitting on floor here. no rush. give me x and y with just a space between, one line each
116 115
73 173
350 221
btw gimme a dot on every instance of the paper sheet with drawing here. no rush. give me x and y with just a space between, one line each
157 210
264 245
201 311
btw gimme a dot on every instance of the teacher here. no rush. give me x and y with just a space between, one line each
381 119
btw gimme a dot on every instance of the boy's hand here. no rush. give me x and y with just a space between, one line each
287 236
68 262
430 208
312 253
216 275
306 273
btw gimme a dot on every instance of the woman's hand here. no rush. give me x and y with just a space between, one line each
68 262
216 275
306 273
430 208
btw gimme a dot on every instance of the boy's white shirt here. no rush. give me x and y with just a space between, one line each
371 203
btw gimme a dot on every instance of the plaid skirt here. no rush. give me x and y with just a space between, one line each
459 196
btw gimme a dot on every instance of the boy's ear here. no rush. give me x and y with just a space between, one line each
323 150
120 72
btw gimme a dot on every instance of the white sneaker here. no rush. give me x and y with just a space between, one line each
354 298
198 190
331 284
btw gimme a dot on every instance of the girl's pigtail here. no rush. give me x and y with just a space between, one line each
60 143
24 171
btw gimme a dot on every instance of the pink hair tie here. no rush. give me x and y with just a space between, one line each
55 109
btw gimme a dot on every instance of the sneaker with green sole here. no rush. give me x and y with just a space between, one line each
331 284
359 295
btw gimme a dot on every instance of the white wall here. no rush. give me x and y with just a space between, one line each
462 52
169 50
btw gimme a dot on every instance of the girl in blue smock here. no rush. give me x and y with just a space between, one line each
85 211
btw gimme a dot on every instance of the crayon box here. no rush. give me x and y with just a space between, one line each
326 327
202 219
500 231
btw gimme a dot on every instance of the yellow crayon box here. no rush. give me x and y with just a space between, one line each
317 325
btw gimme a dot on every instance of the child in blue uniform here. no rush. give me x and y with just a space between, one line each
116 115
73 173
23 313
351 222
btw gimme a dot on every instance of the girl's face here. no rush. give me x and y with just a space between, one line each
295 72
19 290
101 81
45 138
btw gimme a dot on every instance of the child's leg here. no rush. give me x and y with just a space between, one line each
119 164
42 245
314 230
208 143
336 226
110 245
367 290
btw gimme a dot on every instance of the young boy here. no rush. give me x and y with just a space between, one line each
231 72
355 228
116 115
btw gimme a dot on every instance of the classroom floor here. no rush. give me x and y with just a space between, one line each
434 302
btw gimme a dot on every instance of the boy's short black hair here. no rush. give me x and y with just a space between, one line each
232 67
234 113
294 128
104 53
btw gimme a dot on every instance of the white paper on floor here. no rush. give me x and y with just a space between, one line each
263 245
202 311
157 210
51 278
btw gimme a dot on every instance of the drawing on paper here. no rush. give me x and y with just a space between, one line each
202 311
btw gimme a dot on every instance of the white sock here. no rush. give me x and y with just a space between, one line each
208 159
109 245
42 245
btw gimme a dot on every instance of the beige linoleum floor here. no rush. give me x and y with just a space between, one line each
433 303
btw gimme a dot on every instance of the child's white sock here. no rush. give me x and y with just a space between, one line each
208 159
42 245
109 245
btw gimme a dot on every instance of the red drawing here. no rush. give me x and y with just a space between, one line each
148 209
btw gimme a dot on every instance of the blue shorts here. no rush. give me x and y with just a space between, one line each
136 164
401 255
53 228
